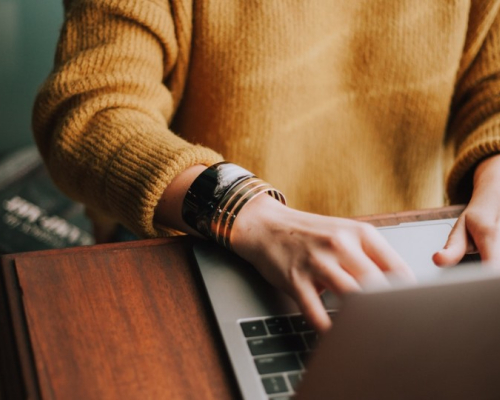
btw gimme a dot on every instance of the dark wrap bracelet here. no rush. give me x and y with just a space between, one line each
206 193
217 195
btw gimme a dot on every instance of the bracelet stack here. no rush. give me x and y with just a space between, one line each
217 195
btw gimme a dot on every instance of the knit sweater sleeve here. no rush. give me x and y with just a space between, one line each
474 129
101 118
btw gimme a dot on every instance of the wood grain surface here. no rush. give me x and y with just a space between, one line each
119 321
122 323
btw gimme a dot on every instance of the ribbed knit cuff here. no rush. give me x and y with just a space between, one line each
140 173
484 142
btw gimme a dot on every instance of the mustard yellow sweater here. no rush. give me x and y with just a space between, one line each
349 107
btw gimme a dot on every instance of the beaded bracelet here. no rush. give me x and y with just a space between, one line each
217 195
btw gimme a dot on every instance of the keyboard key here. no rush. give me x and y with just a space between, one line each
276 344
294 380
278 325
253 328
274 384
470 258
275 364
300 324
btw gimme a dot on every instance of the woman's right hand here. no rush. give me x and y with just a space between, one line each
304 254
300 253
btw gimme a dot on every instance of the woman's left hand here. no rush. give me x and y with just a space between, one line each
478 227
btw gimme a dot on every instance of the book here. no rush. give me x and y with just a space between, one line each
34 213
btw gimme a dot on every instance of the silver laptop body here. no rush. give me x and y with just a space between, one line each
239 294
438 340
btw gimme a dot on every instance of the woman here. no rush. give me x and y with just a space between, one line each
348 108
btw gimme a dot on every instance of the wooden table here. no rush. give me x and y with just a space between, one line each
118 321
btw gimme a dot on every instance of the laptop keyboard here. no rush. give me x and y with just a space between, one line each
280 347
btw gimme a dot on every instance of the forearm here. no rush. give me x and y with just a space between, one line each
101 118
168 212
473 132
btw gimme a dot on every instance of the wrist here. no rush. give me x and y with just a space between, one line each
487 173
169 207
262 214
216 197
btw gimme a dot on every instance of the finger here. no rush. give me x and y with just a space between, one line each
334 278
363 270
488 246
387 258
456 246
312 307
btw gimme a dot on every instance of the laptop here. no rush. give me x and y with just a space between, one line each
437 339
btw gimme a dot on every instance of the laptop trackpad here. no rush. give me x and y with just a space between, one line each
415 243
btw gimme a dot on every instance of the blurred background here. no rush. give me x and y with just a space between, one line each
34 214
28 36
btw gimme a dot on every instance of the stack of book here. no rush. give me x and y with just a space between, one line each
34 214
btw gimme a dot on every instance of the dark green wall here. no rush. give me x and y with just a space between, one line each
28 35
